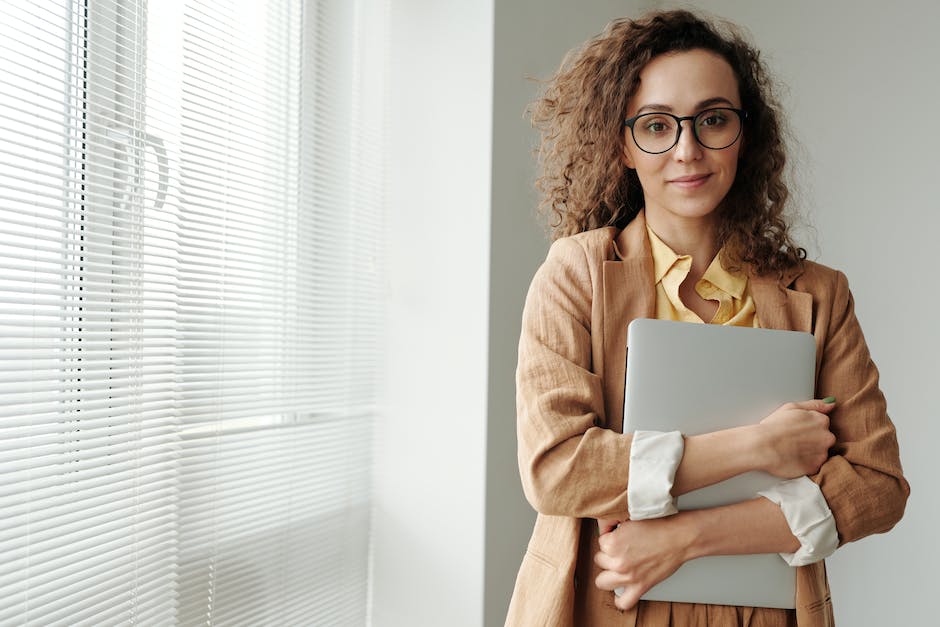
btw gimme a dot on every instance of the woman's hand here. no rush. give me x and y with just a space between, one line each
636 555
796 439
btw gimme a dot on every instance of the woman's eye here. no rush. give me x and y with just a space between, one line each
713 118
656 126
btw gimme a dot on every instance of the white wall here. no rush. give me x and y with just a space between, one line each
430 459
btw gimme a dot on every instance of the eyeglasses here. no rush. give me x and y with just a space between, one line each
715 129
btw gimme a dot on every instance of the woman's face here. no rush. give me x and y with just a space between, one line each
687 181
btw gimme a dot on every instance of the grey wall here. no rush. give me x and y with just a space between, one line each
861 93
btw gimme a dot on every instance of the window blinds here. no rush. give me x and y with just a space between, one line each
190 258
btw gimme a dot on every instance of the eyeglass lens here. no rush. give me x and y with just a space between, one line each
714 128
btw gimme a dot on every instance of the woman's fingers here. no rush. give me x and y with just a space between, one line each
604 561
606 525
626 593
629 597
610 580
821 405
637 555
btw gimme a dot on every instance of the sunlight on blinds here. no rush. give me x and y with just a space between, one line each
191 307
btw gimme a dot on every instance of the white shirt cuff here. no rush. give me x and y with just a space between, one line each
654 458
809 518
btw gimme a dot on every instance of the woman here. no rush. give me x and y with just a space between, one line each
663 163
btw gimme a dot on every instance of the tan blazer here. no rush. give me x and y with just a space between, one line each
573 458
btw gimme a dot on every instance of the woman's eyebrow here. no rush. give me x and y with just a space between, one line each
710 102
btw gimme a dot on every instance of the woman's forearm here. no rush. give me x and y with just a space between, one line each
791 442
713 457
754 526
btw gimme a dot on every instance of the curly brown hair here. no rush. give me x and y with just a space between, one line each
586 185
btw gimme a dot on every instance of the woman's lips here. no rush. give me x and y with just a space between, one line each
690 181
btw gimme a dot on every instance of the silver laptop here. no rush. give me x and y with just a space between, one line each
698 378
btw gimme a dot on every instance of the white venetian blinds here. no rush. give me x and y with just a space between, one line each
190 213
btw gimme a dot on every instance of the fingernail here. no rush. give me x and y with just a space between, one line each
829 399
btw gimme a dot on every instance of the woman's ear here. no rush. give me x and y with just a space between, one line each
625 155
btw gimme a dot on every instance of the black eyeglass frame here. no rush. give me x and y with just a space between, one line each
741 113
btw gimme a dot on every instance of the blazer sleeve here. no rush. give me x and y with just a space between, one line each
862 480
569 465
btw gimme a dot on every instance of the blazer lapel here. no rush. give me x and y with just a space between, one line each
779 307
629 293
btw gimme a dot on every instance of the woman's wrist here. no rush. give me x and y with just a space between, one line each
691 533
758 448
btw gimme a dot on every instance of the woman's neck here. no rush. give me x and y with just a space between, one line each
693 236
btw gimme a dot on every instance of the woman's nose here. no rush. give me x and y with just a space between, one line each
688 148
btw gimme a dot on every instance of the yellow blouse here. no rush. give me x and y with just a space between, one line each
735 304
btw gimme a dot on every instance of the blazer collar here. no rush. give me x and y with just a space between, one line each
629 286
